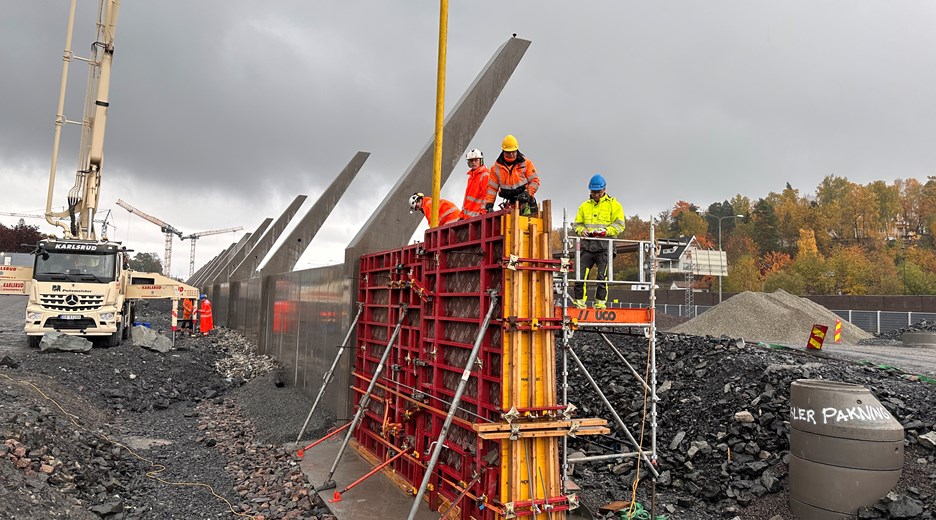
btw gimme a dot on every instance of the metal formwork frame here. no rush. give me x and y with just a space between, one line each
500 454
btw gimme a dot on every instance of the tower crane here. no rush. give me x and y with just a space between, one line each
105 225
165 228
195 236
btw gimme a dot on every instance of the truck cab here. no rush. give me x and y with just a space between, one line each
77 288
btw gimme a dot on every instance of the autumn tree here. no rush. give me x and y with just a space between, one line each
743 276
19 238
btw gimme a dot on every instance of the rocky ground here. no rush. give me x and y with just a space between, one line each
703 384
199 432
124 433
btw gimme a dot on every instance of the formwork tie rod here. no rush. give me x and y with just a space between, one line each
337 496
331 371
329 483
453 407
460 496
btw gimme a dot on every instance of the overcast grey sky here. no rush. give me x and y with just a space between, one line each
222 111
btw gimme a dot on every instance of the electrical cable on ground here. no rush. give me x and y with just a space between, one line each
153 473
634 505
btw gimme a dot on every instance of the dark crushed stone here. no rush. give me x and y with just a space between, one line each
709 380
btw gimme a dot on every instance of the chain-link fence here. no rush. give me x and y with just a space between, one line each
874 322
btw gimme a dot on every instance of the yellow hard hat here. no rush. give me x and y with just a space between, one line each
510 144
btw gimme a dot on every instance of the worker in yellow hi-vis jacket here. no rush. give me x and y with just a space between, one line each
598 217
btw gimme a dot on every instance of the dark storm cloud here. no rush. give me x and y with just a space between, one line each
254 102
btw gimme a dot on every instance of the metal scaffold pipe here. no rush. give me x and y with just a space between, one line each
617 418
329 483
453 408
439 115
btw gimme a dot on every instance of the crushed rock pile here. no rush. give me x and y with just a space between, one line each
241 359
895 337
777 317
723 434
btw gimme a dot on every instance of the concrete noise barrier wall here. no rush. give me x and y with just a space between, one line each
846 449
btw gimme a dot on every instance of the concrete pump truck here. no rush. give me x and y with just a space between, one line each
81 284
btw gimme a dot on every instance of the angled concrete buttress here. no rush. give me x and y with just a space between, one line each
235 253
246 268
206 280
391 225
197 282
200 270
225 274
284 259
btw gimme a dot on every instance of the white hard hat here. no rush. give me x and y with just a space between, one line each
474 153
414 201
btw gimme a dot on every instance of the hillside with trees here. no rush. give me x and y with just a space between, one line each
845 238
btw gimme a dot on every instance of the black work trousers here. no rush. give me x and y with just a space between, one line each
590 260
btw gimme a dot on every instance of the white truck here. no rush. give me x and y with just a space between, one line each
81 285
85 288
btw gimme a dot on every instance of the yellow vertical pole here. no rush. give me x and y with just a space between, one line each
440 115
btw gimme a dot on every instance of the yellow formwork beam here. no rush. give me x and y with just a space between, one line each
529 464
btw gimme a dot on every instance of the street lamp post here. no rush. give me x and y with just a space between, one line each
720 250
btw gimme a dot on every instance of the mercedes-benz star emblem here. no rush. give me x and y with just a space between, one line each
71 299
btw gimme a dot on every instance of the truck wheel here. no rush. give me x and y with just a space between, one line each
114 339
34 341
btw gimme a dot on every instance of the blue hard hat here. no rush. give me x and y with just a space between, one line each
597 182
203 297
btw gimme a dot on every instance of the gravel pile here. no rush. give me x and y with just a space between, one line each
777 317
720 396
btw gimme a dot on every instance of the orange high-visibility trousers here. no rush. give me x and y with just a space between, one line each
205 321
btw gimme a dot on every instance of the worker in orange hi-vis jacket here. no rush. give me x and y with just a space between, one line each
187 309
448 211
476 191
205 321
514 178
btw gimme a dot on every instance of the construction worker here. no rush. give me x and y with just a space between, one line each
448 211
205 321
514 178
478 178
187 308
598 217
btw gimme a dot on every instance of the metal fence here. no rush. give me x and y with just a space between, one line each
874 322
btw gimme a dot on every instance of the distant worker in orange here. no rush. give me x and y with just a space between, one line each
205 321
187 308
478 179
514 178
448 211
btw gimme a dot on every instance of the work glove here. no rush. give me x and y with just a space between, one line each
523 197
489 207
599 233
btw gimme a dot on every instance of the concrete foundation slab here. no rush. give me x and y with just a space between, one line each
376 497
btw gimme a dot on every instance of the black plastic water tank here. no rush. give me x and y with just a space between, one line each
846 449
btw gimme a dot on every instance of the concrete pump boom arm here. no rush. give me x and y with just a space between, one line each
84 195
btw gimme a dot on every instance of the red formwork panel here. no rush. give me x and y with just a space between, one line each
446 284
